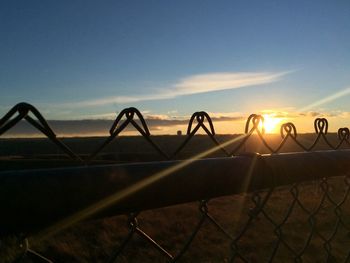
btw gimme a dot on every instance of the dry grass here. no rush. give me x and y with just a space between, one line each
95 241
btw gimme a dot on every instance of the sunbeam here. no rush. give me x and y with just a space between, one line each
246 183
325 100
117 197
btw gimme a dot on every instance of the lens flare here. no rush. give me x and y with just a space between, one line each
118 196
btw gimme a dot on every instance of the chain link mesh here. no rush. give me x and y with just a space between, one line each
305 222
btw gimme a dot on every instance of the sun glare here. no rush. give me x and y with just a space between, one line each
271 123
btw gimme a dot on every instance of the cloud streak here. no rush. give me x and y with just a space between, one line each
195 84
223 81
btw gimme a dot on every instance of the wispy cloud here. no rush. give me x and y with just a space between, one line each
222 81
195 84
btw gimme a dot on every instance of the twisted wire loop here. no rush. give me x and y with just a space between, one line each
321 129
288 130
343 136
257 122
254 124
261 200
119 125
22 111
200 117
343 133
321 125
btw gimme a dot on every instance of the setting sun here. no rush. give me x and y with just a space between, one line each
271 123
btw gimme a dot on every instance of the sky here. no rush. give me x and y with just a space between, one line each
88 60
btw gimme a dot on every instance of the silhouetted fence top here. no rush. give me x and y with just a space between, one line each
50 200
198 121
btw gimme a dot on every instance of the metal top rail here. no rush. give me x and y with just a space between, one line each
35 204
33 199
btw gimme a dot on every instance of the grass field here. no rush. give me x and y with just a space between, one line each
95 241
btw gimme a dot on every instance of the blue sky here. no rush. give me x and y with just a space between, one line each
91 59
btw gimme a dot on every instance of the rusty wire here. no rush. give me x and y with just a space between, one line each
201 120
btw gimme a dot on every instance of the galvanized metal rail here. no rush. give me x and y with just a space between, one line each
49 200
33 199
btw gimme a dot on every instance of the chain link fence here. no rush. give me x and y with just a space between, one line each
305 221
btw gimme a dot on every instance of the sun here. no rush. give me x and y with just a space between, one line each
271 122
